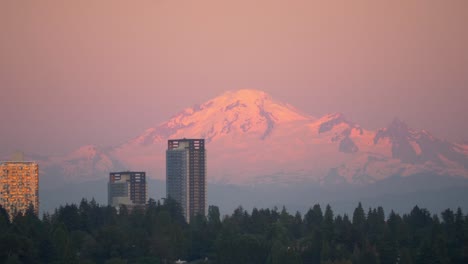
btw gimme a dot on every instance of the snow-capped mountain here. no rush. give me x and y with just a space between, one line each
252 138
86 163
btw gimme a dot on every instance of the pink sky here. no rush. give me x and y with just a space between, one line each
80 72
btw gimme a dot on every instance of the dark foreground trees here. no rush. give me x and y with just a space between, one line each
89 233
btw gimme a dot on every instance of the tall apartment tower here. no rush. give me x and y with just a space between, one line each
19 186
186 175
127 188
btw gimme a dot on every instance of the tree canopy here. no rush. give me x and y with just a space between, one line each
91 233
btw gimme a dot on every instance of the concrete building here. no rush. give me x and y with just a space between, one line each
19 186
127 188
186 175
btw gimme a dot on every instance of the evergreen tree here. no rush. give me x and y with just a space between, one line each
90 233
313 219
359 224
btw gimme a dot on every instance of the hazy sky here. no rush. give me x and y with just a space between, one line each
80 72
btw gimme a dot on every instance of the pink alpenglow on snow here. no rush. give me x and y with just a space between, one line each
252 138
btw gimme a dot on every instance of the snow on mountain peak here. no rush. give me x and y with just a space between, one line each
240 112
328 122
87 151
253 138
258 101
246 95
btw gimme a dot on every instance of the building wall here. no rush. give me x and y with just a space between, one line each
138 188
197 181
177 178
127 188
19 187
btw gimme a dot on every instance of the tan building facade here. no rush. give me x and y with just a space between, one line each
19 186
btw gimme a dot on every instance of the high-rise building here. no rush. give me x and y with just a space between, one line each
127 188
186 175
19 186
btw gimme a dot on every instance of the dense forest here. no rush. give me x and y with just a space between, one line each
89 233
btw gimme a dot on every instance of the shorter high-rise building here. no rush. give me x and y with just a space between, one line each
19 187
127 188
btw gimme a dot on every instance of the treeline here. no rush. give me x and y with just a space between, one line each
89 233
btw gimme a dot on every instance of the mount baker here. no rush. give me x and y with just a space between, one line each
253 139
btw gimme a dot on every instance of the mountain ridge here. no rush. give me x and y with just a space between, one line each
255 139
